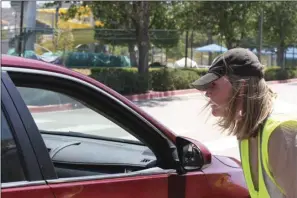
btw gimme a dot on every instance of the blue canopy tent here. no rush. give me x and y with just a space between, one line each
291 53
210 48
264 52
290 57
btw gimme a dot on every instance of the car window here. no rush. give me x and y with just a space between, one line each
56 112
73 155
11 168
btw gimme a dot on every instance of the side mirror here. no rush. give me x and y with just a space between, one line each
192 154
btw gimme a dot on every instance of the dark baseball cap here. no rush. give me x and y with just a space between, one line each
236 61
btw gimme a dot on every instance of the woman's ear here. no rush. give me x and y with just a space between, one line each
240 100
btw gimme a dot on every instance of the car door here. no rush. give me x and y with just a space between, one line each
151 182
160 181
20 172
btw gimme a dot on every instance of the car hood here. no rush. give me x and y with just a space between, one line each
228 161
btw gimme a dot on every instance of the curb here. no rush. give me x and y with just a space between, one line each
281 81
155 94
138 97
50 108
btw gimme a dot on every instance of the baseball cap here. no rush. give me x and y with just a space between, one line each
236 61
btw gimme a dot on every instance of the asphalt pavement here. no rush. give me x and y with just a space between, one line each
183 114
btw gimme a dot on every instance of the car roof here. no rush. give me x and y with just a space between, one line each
26 63
12 61
20 62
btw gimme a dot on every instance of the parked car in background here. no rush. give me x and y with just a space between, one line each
96 143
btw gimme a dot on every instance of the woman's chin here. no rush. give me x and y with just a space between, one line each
216 113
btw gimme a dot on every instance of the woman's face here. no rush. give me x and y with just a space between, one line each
219 93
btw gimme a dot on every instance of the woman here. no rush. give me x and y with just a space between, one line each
240 97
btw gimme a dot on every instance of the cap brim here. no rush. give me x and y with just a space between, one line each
203 82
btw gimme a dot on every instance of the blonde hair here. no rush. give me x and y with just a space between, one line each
257 100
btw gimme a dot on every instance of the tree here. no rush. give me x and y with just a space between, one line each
131 17
130 23
232 21
57 5
280 25
136 21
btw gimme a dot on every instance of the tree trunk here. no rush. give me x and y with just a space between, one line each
281 50
166 55
142 36
209 41
280 55
57 14
229 43
186 48
56 24
92 45
132 54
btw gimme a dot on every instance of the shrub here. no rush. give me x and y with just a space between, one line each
167 79
122 80
129 81
277 73
162 79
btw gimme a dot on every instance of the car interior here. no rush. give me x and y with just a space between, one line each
75 156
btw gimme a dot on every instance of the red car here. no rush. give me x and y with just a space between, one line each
64 135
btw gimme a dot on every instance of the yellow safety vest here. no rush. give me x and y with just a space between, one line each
265 177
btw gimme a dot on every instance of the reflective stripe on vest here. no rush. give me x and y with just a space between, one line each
266 183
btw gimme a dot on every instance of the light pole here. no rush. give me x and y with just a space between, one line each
260 34
21 29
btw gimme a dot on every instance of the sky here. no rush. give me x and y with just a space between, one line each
6 4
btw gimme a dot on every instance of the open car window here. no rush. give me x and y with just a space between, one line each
81 141
86 130
56 112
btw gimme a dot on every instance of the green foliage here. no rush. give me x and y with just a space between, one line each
129 81
280 21
160 38
124 81
173 79
121 21
162 80
64 39
278 73
227 23
4 34
232 20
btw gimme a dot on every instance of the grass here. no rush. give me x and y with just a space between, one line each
4 34
83 71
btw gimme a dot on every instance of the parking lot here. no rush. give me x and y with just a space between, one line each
183 114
